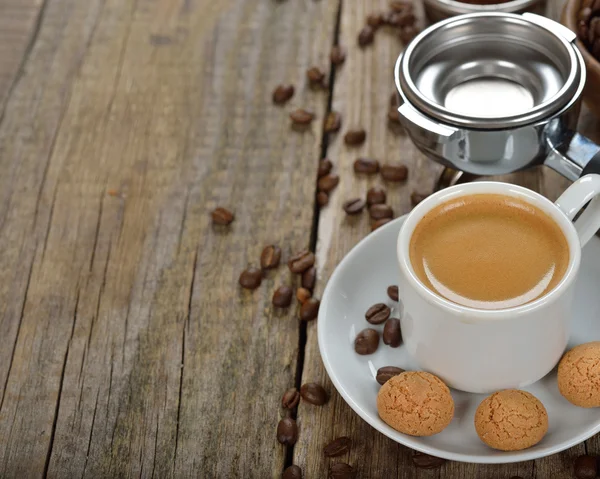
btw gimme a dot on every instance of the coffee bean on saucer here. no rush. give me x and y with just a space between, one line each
425 461
354 206
376 196
300 262
394 173
309 278
315 76
416 198
366 36
367 166
302 295
270 257
314 394
380 223
250 278
338 55
381 211
282 297
391 333
333 122
375 20
366 342
585 467
392 292
287 431
341 470
302 117
355 137
387 372
322 198
292 472
282 94
327 183
310 309
222 216
378 313
290 398
325 166
338 446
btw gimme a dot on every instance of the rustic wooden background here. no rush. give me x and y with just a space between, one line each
126 346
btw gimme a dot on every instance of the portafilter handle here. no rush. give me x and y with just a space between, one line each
574 157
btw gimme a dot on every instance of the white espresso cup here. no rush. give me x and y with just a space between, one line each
478 350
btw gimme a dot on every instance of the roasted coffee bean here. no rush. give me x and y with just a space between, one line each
315 76
287 431
407 34
366 342
250 278
425 461
354 206
592 33
400 19
309 278
282 297
355 137
310 309
585 467
325 167
375 20
222 216
337 447
391 333
314 394
270 257
338 55
394 172
387 372
328 182
584 14
340 470
393 115
394 100
301 261
290 398
322 198
379 223
378 313
302 295
376 196
416 198
399 6
302 117
381 211
366 36
282 94
392 292
366 165
333 122
292 472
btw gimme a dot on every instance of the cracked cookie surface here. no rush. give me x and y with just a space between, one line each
511 420
579 375
416 403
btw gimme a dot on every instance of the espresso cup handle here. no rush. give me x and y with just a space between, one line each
584 190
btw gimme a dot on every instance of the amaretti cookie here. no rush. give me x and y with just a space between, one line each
579 375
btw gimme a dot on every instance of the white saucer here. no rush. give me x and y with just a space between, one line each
361 280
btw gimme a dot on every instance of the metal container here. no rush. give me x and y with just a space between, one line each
437 10
493 93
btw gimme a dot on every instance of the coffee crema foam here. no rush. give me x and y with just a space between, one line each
489 251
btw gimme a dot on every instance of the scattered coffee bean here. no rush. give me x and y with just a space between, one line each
376 196
282 94
250 278
375 20
366 36
302 295
416 198
394 100
394 172
300 262
393 115
314 394
333 122
585 467
366 165
287 431
310 309
292 472
322 198
328 182
222 216
282 297
392 292
302 117
270 257
337 447
315 76
354 206
309 278
325 167
290 398
378 313
366 342
400 6
355 137
340 470
387 372
338 55
400 19
381 211
379 223
425 461
391 333
407 34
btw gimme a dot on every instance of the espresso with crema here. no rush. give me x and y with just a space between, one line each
489 251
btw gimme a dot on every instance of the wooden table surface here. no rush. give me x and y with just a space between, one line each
127 348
